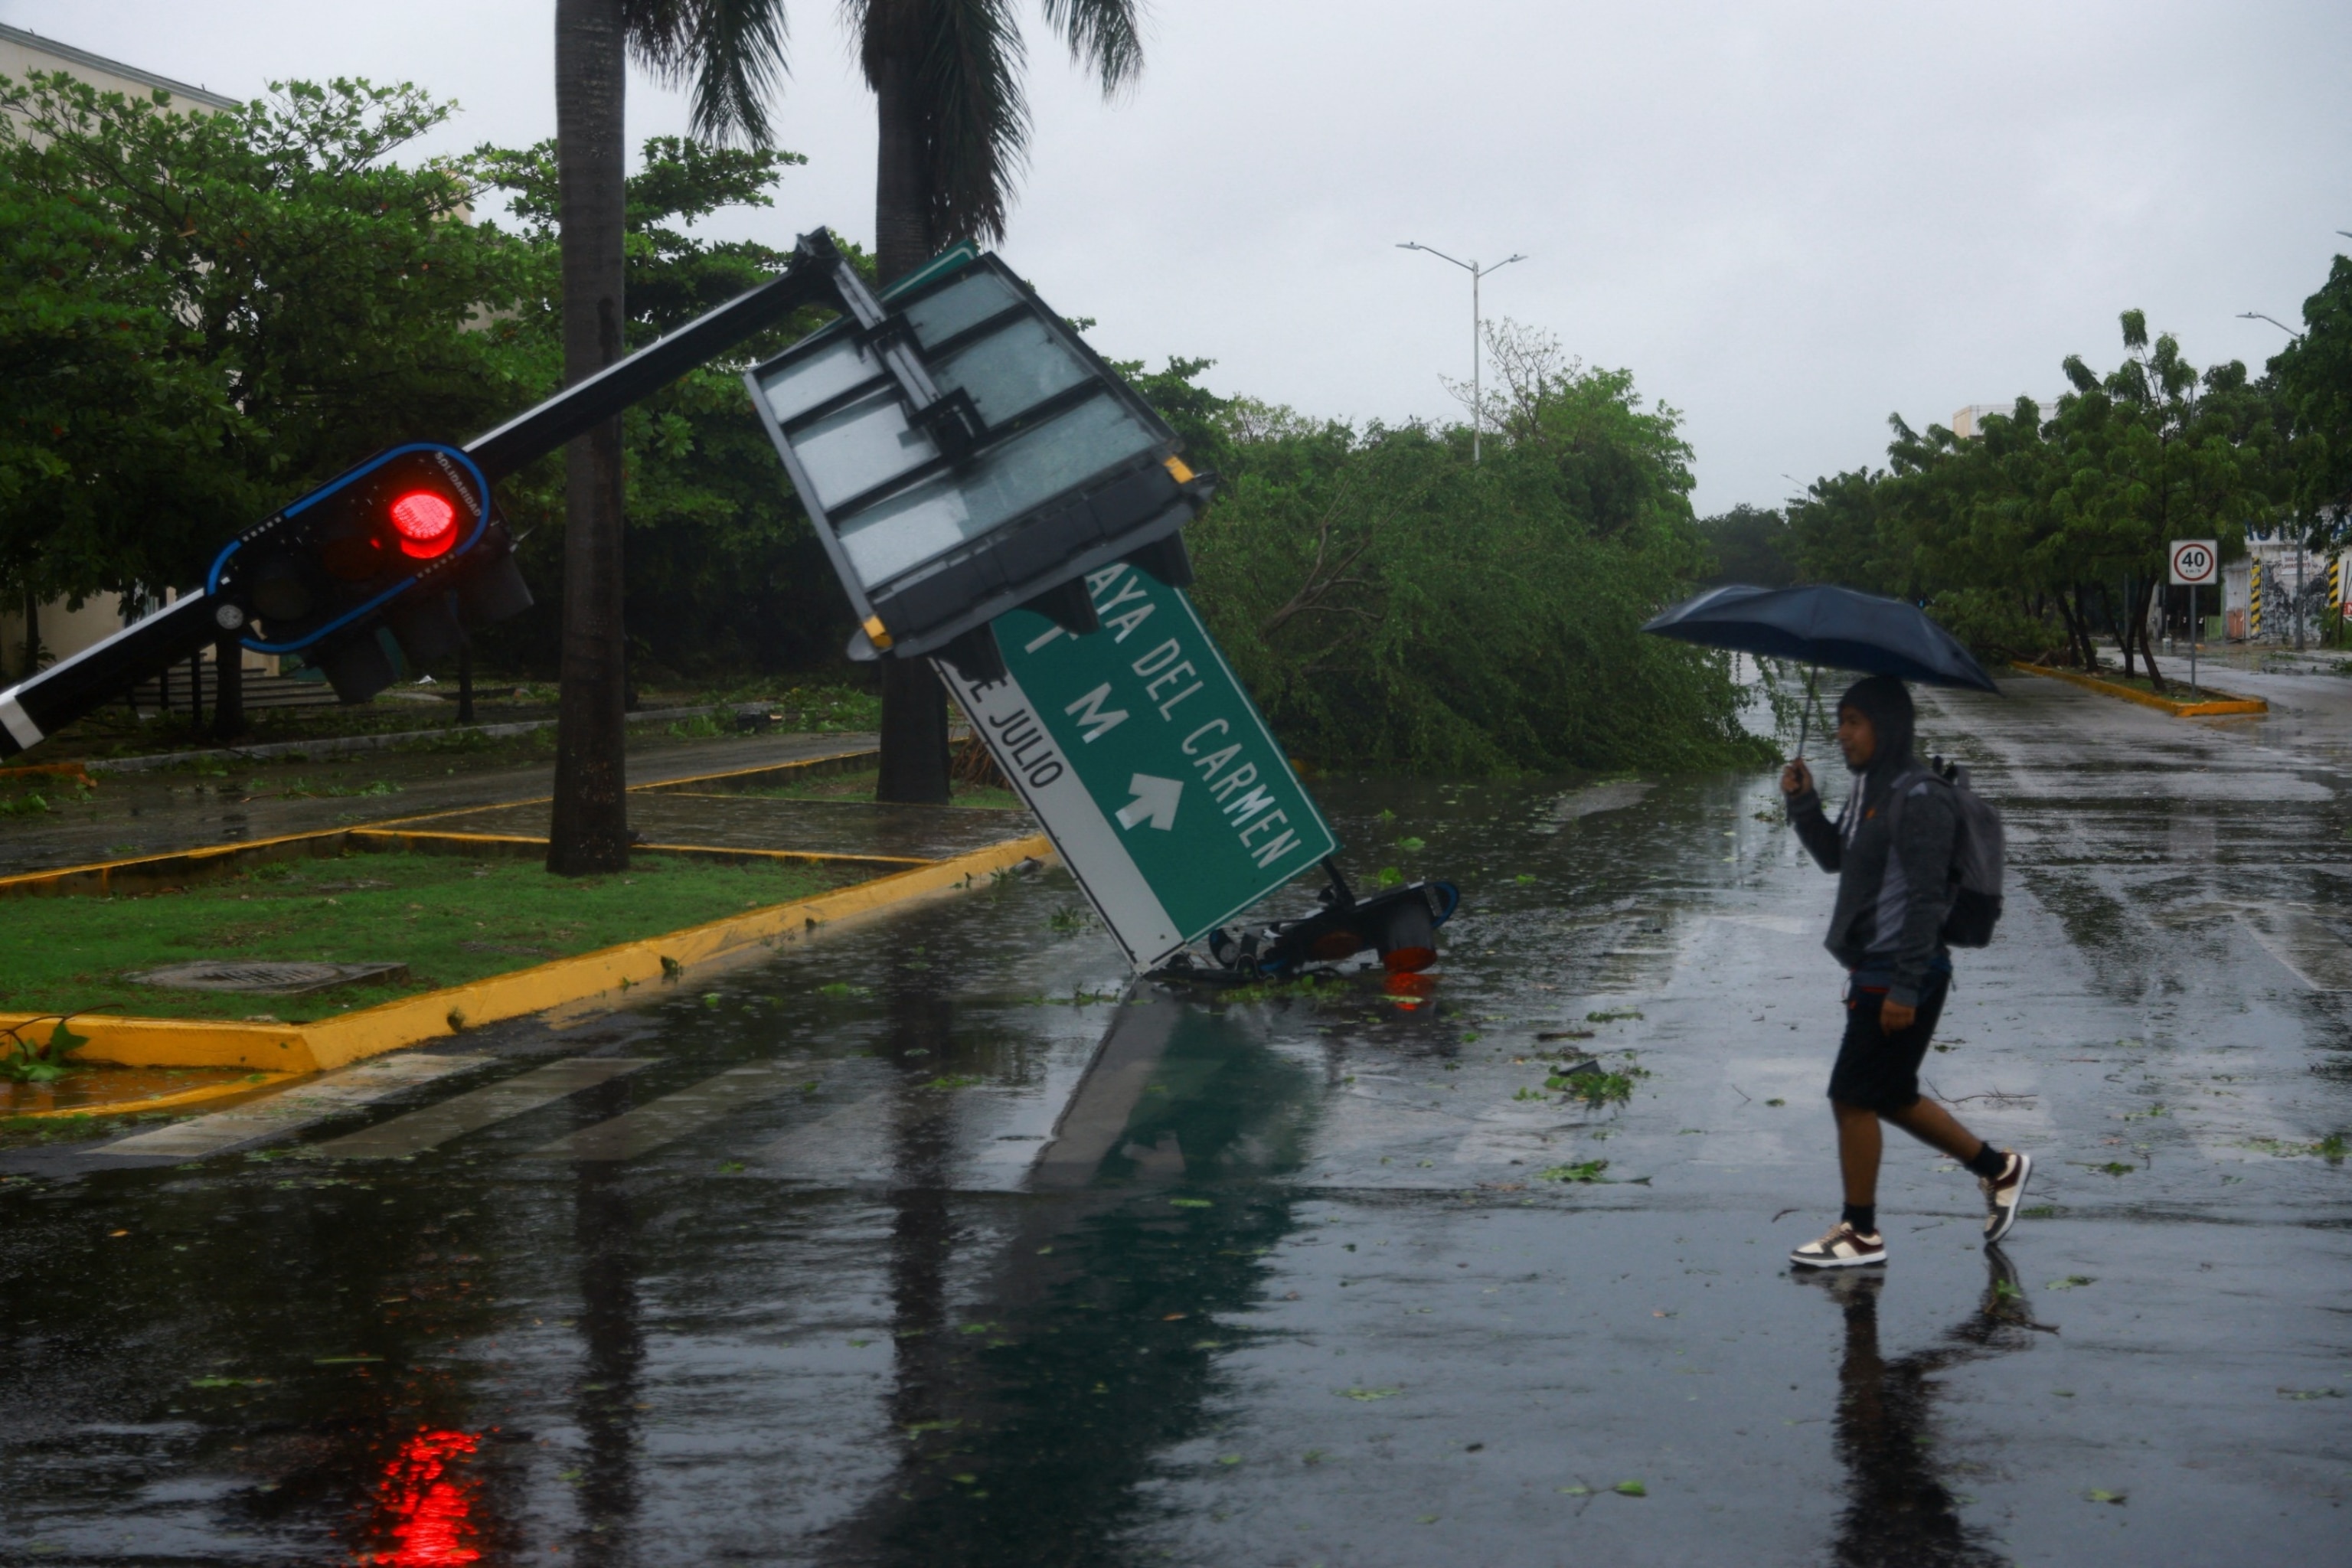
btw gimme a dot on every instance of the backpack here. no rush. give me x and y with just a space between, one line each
1976 853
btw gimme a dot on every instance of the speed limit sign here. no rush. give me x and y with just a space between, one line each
2195 562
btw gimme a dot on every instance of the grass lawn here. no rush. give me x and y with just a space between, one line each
859 786
449 919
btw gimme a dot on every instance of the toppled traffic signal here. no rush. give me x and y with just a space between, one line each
404 551
963 452
404 545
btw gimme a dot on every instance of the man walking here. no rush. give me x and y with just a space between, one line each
1891 851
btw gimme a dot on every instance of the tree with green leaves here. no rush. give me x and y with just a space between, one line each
1750 545
2314 382
1390 603
954 123
954 126
731 54
2070 515
725 576
203 315
2151 452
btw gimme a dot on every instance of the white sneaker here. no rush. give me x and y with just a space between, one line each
2004 1193
1843 1247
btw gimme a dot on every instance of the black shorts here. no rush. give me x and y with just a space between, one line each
1879 1071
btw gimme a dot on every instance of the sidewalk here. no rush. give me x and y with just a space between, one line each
185 807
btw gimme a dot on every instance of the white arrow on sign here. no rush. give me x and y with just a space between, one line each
1154 801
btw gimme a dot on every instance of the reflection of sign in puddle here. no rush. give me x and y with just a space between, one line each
1094 1122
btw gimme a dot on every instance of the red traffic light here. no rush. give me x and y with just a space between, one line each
427 523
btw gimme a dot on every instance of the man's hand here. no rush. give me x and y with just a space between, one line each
1796 778
1893 1017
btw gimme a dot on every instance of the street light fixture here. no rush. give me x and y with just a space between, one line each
1477 395
2273 320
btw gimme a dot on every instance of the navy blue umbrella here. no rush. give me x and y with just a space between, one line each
1821 625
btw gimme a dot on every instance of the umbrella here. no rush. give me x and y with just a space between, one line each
1821 625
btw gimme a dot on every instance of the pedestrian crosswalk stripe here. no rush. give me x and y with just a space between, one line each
291 1109
672 1116
476 1108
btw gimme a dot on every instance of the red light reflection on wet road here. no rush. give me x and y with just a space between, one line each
1409 990
428 1506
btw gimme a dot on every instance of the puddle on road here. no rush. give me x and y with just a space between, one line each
933 1242
111 1085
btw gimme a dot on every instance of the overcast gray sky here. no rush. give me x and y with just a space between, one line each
1787 219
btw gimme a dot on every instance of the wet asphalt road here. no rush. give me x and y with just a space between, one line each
926 1244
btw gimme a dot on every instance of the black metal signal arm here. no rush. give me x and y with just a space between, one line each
818 274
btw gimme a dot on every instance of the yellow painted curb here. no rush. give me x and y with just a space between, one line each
71 772
149 873
602 976
428 839
807 767
162 1101
100 876
830 763
2220 706
185 1042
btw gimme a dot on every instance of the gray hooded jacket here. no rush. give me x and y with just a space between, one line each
1894 887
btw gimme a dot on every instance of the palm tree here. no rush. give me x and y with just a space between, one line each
945 76
731 52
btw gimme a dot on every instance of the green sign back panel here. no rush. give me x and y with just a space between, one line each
1168 797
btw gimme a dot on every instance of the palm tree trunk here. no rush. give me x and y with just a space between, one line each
915 754
590 830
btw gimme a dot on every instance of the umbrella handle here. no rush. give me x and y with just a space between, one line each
1805 721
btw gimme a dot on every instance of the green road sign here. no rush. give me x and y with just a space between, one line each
1168 797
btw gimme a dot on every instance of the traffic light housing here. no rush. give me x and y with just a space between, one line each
960 451
1400 925
407 544
398 556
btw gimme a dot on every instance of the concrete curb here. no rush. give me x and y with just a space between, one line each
147 872
336 745
591 980
2219 706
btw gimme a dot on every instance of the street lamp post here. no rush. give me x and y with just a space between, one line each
1477 391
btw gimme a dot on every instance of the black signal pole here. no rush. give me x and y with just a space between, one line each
46 702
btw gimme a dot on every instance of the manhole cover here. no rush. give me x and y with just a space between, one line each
272 978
